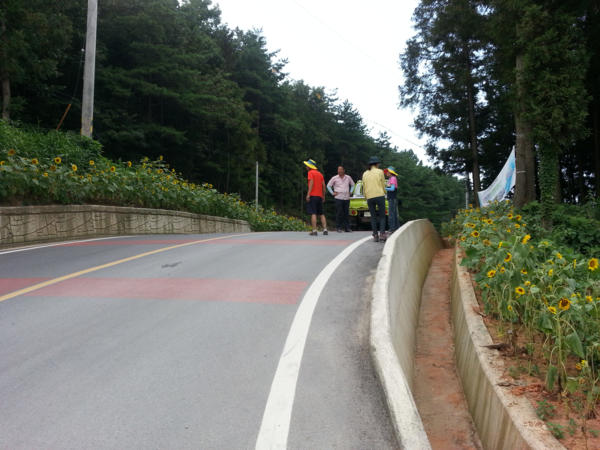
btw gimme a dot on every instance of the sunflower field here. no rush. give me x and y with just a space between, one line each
68 169
540 282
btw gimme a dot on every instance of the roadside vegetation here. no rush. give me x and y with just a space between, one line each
64 168
543 285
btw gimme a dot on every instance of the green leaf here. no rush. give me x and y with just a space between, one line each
464 262
551 377
574 344
572 385
471 253
535 290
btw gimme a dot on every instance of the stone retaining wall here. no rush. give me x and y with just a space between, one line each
503 421
35 224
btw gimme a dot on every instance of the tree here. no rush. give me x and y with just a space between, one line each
33 37
443 67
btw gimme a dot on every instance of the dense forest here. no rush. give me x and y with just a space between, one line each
488 75
172 80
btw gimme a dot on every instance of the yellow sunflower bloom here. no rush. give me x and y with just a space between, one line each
128 163
475 234
508 257
510 308
559 256
588 298
491 273
528 283
113 168
74 167
487 243
92 163
552 309
57 160
593 264
11 152
523 271
510 216
564 303
46 174
502 269
34 161
52 168
519 290
550 272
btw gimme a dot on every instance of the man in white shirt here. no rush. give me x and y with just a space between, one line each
340 186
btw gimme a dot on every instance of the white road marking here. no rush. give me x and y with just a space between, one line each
275 425
34 247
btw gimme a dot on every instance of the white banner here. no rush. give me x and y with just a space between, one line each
503 183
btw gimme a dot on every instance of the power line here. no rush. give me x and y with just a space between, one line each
393 132
348 42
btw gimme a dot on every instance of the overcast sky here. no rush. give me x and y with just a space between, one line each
350 45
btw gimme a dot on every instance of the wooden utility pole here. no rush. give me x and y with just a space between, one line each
87 105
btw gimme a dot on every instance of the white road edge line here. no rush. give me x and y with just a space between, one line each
275 425
65 243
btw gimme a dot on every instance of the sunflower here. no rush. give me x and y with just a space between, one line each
508 230
517 225
52 168
574 263
487 243
588 298
502 269
113 168
57 160
550 272
11 152
528 283
564 303
559 256
523 271
552 309
74 167
475 234
500 244
92 163
510 216
519 290
128 163
578 366
46 174
510 308
34 161
518 217
508 257
593 264
491 273
160 158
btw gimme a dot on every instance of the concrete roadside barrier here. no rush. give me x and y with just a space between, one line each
396 301
503 421
35 224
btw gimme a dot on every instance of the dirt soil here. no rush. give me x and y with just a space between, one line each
437 389
525 375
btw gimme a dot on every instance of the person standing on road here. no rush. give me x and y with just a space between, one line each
340 186
374 191
315 197
392 198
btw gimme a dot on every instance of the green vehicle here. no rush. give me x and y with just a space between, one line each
359 211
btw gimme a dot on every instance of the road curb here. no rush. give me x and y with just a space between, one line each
503 421
396 301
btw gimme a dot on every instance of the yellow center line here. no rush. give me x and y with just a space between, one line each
104 266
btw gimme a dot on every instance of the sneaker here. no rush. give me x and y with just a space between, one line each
348 230
325 233
383 237
313 233
339 231
376 238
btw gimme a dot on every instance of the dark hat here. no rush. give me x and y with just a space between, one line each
374 160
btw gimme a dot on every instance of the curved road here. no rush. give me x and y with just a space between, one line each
190 342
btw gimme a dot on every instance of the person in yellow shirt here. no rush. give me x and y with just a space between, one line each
374 191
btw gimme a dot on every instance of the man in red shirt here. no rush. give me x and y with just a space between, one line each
315 197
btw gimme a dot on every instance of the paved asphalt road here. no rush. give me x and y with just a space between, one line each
178 349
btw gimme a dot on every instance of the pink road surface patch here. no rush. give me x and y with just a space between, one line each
8 285
240 291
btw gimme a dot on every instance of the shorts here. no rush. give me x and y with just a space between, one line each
315 205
